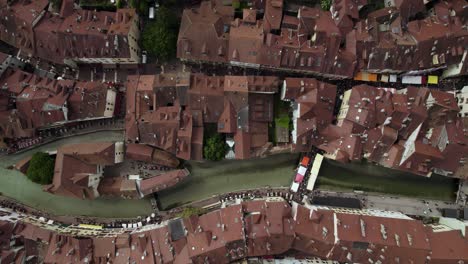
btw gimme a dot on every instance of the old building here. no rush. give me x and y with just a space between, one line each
418 130
345 13
34 102
170 111
388 42
414 129
257 228
312 102
79 168
333 44
309 42
462 100
73 36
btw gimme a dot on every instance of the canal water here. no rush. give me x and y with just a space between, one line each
368 177
211 178
15 185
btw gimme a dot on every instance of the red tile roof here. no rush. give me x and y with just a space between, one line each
163 181
202 33
266 42
255 228
218 236
231 102
69 249
75 163
447 247
269 226
139 152
377 124
90 34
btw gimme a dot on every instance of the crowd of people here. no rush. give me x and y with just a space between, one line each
252 194
106 223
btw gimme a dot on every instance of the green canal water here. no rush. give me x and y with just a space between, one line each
209 178
15 185
368 177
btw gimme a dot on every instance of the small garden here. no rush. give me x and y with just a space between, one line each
214 143
281 127
189 211
159 37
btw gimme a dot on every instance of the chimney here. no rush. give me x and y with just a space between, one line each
67 8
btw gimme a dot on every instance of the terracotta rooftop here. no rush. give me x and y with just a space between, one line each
76 166
90 34
161 182
253 228
169 112
266 42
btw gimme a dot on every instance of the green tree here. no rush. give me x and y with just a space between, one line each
325 4
160 36
119 4
215 148
41 168
189 211
143 7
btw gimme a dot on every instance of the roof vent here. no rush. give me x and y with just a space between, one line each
410 239
363 228
324 231
383 231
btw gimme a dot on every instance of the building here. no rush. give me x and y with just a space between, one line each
73 36
407 8
269 227
70 249
307 43
32 102
204 32
19 20
387 41
257 228
161 182
79 168
345 13
462 100
90 170
313 103
333 44
170 111
415 129
149 154
418 130
216 237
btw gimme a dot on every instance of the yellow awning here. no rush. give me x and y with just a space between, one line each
433 79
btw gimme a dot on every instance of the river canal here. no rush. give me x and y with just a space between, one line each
15 185
208 179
